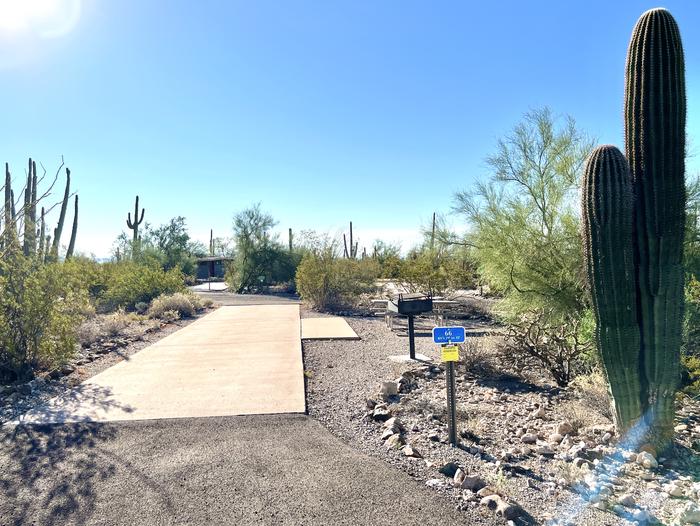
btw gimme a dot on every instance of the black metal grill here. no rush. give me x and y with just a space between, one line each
409 305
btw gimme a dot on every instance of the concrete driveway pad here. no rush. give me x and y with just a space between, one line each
234 361
331 328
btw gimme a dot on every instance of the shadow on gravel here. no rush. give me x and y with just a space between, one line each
52 470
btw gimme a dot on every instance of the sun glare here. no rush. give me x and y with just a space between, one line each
48 18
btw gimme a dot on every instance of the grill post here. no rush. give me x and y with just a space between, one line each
411 338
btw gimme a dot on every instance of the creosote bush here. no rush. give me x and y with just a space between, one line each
186 305
127 283
41 306
326 281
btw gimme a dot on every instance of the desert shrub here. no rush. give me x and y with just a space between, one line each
186 305
129 283
169 316
89 332
141 307
691 326
326 281
113 324
592 388
476 358
691 374
41 307
537 340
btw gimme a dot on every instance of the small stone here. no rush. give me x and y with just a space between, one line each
565 428
647 460
538 413
389 390
581 463
381 414
607 437
485 492
410 451
434 483
449 469
545 450
473 483
387 433
674 489
556 438
458 478
394 423
627 500
528 438
371 403
394 442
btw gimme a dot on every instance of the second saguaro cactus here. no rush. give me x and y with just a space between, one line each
608 216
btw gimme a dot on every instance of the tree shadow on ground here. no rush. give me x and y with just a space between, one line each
51 473
53 468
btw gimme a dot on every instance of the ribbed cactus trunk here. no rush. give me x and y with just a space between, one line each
58 231
655 112
74 231
607 217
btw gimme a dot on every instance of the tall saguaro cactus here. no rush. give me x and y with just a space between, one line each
134 225
637 242
655 109
52 254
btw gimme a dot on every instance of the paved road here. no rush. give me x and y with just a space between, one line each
241 360
230 298
274 469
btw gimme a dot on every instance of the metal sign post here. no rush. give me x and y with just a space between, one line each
446 337
451 403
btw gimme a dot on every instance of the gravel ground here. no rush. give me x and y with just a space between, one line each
494 413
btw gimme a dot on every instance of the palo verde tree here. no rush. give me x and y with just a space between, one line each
260 259
637 282
523 222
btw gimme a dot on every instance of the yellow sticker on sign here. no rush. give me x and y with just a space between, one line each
450 353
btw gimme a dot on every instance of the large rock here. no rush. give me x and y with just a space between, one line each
647 460
690 514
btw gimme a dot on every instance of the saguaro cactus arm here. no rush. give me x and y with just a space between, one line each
607 231
61 219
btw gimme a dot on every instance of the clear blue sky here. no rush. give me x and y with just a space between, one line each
325 111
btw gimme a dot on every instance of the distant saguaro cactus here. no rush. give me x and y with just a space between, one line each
74 231
134 225
52 255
